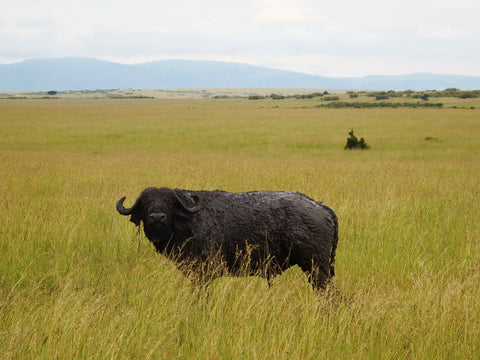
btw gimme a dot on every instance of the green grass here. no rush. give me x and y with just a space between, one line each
79 282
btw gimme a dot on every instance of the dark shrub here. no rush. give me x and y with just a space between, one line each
354 143
256 97
331 98
277 96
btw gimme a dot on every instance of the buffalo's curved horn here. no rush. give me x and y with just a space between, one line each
122 210
191 210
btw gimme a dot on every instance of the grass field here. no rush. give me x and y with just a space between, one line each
79 282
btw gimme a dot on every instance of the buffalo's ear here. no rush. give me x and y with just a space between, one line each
187 201
182 210
135 218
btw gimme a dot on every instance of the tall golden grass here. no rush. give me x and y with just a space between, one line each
78 281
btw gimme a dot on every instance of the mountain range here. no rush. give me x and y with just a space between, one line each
88 74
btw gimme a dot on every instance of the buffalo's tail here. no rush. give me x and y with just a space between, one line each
334 245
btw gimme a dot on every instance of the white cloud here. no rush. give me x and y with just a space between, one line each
326 38
435 31
285 11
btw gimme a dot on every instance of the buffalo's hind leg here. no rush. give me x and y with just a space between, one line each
315 275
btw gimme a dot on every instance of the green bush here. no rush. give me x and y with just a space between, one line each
307 96
380 104
277 96
331 98
354 143
468 95
256 97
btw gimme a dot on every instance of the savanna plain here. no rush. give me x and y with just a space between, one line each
78 281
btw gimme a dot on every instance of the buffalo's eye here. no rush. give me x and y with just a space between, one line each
155 209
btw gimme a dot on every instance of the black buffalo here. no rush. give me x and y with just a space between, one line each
277 228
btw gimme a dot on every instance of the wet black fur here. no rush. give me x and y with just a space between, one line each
275 229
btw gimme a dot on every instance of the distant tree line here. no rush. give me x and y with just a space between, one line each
380 104
424 95
453 92
379 95
331 98
275 96
129 97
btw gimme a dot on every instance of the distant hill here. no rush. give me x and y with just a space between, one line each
86 74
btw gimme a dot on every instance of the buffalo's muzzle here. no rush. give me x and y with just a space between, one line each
158 217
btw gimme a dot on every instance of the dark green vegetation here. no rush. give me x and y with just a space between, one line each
352 99
77 281
409 98
379 104
354 143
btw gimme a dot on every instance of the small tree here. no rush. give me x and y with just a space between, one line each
425 97
354 143
52 93
256 97
277 96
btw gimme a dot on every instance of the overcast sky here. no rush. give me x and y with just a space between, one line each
330 38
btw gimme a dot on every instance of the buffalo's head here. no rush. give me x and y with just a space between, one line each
162 210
